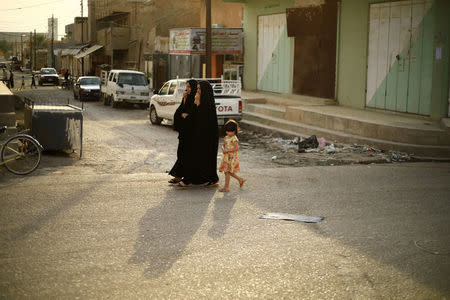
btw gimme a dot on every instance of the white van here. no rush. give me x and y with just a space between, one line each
124 86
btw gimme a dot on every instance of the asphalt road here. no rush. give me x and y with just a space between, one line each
385 235
109 225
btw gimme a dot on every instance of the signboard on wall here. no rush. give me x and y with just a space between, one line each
193 41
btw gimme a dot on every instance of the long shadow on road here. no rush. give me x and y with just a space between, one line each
166 230
221 214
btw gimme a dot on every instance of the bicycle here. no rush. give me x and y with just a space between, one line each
20 154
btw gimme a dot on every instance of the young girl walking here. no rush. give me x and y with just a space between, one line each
230 157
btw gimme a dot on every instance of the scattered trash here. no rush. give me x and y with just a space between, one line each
330 149
322 142
285 151
287 147
292 217
310 142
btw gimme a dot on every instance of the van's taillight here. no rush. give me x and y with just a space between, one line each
240 106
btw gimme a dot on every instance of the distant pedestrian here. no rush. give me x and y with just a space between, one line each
11 79
33 81
66 79
22 85
5 75
230 157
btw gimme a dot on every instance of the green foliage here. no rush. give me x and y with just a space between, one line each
5 47
41 41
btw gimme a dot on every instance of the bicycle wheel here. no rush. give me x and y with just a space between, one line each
21 154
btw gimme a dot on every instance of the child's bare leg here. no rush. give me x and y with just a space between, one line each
240 179
226 187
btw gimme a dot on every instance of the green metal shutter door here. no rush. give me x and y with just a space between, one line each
400 58
274 54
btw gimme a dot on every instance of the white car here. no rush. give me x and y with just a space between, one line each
48 75
124 86
227 95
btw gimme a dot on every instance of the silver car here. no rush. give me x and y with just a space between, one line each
87 87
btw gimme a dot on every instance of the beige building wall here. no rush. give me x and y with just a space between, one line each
78 28
104 8
161 15
222 13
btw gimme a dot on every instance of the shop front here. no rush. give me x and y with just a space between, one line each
187 49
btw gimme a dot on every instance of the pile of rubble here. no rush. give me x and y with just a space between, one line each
317 151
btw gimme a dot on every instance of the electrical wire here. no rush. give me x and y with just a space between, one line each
30 6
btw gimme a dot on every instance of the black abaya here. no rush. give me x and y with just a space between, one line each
202 167
184 126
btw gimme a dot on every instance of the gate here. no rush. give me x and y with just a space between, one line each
274 54
400 58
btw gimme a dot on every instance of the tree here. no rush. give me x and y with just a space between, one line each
41 41
5 47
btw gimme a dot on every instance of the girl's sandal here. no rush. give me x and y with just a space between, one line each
224 190
241 182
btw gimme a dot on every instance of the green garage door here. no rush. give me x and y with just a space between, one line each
274 54
400 61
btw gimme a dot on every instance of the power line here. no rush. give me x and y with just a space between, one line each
30 6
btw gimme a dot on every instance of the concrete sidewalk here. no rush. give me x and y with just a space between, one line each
73 234
385 130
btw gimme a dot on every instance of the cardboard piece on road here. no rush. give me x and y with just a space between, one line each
292 217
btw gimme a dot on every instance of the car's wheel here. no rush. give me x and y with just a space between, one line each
154 119
113 103
105 100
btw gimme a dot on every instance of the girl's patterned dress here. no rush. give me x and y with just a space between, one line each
230 160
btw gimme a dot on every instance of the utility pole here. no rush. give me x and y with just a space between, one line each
51 50
35 46
208 38
31 51
82 37
111 43
21 49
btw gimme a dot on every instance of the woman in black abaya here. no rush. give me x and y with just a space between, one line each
183 123
202 165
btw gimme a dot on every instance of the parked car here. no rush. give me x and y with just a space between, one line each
124 86
87 87
227 95
48 75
